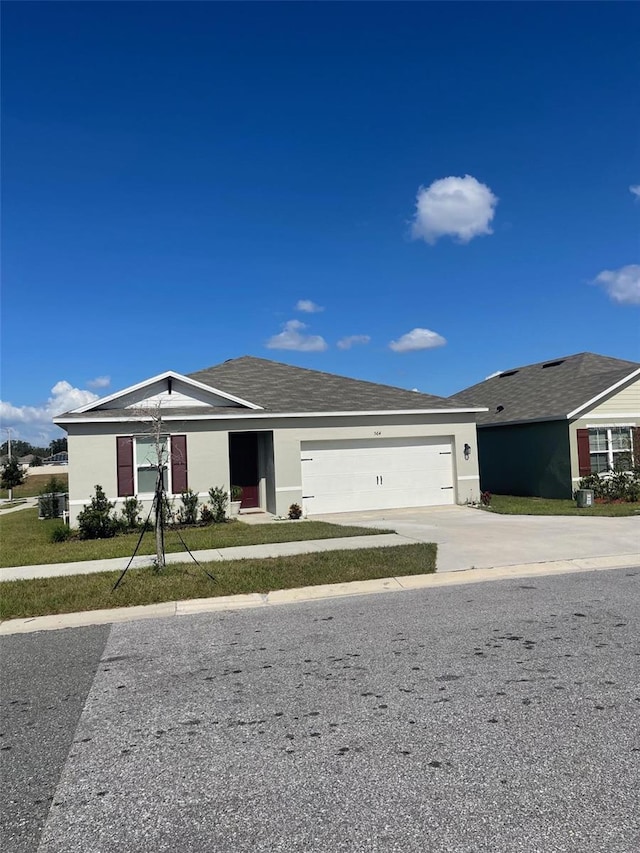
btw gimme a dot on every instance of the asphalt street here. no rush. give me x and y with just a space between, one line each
500 716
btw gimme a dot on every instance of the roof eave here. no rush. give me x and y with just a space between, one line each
167 416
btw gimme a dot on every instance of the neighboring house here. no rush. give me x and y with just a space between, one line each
24 461
284 434
61 458
551 423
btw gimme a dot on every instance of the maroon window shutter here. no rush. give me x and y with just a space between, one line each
635 446
124 449
584 456
178 463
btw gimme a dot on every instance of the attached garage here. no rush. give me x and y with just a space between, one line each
366 474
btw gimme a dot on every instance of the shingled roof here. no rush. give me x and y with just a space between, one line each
548 390
278 387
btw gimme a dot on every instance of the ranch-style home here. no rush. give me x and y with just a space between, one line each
284 434
549 424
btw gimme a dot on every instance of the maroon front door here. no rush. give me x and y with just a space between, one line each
243 458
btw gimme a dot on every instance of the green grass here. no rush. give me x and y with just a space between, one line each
508 505
188 581
34 485
25 540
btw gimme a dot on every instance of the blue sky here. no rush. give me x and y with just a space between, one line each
452 184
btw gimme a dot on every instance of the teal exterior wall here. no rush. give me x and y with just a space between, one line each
531 460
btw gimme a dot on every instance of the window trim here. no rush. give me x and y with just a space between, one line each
136 467
609 450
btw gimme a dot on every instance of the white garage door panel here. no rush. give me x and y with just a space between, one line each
343 476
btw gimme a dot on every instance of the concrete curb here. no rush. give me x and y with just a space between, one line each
312 593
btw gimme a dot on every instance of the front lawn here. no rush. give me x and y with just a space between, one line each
25 540
187 581
509 505
34 484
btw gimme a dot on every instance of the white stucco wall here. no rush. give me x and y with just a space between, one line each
92 451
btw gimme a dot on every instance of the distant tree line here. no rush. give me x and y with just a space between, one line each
21 448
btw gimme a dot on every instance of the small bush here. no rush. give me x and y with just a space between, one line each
53 486
236 493
188 512
168 512
131 510
485 498
613 485
219 500
95 521
206 516
59 533
295 511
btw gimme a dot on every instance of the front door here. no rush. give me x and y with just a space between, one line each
243 458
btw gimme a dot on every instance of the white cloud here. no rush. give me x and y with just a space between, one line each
308 306
291 337
99 382
417 339
622 285
635 189
33 423
456 207
353 340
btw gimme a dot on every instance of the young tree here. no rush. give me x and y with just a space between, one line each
158 459
12 475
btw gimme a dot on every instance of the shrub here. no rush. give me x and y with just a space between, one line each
485 498
219 500
59 533
53 486
95 521
295 511
168 513
236 493
131 510
206 516
188 512
613 485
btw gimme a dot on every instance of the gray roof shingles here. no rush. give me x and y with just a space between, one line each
279 387
535 392
283 389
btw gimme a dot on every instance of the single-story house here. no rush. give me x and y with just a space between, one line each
550 424
284 434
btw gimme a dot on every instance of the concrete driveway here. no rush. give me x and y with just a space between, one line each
472 538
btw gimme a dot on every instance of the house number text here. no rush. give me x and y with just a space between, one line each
377 432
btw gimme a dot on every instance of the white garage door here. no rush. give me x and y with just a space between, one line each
352 475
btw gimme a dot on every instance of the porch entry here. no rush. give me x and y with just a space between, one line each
244 467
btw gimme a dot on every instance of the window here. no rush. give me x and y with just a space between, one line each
146 455
610 448
137 464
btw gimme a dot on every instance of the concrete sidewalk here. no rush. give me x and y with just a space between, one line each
239 552
27 503
309 593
